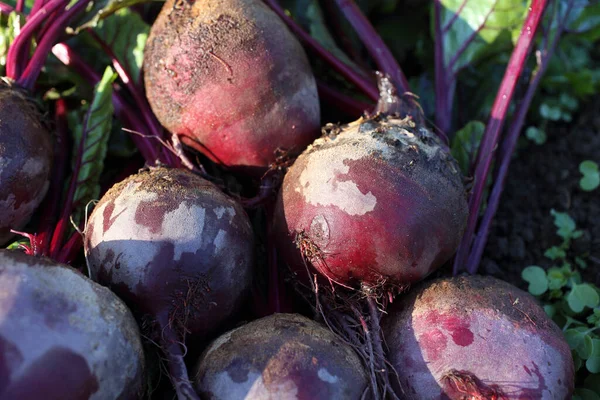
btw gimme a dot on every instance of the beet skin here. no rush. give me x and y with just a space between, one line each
279 357
63 336
26 154
379 202
231 80
477 337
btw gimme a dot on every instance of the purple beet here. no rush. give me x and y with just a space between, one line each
25 157
62 336
281 356
478 338
178 251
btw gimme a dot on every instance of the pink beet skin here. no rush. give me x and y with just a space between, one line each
231 80
382 203
464 338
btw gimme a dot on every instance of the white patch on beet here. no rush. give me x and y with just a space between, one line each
34 167
321 182
220 241
220 211
325 376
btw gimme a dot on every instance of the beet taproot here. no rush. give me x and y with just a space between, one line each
378 202
26 154
231 79
280 356
63 336
178 251
476 337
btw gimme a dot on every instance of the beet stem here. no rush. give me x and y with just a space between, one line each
13 69
31 73
346 104
375 45
5 8
177 369
508 146
123 111
495 123
363 83
150 121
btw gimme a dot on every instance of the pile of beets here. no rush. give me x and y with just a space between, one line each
310 284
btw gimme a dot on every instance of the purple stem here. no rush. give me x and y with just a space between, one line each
364 84
495 123
5 9
376 47
508 148
352 107
166 157
13 68
127 115
443 94
51 204
20 6
31 73
172 347
64 221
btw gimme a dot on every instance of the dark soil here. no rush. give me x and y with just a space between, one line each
542 178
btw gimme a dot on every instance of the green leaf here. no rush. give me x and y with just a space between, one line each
593 364
536 135
581 263
574 337
10 25
482 27
582 296
536 276
125 33
465 144
92 137
591 175
555 253
556 278
101 9
585 394
16 245
566 226
547 111
585 348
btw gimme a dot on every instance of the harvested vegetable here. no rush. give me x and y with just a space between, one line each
231 80
63 336
280 356
178 251
476 337
26 155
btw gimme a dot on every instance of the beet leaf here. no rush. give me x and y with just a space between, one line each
467 31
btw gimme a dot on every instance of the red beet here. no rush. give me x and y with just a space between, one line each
178 251
231 80
62 336
280 356
379 202
478 338
25 157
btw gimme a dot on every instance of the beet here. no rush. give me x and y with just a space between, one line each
177 250
26 154
63 336
280 356
231 80
379 202
477 337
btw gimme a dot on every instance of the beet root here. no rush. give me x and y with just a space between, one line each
479 338
231 80
379 202
280 356
64 336
177 250
26 154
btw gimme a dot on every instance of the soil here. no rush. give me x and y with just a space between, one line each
541 178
